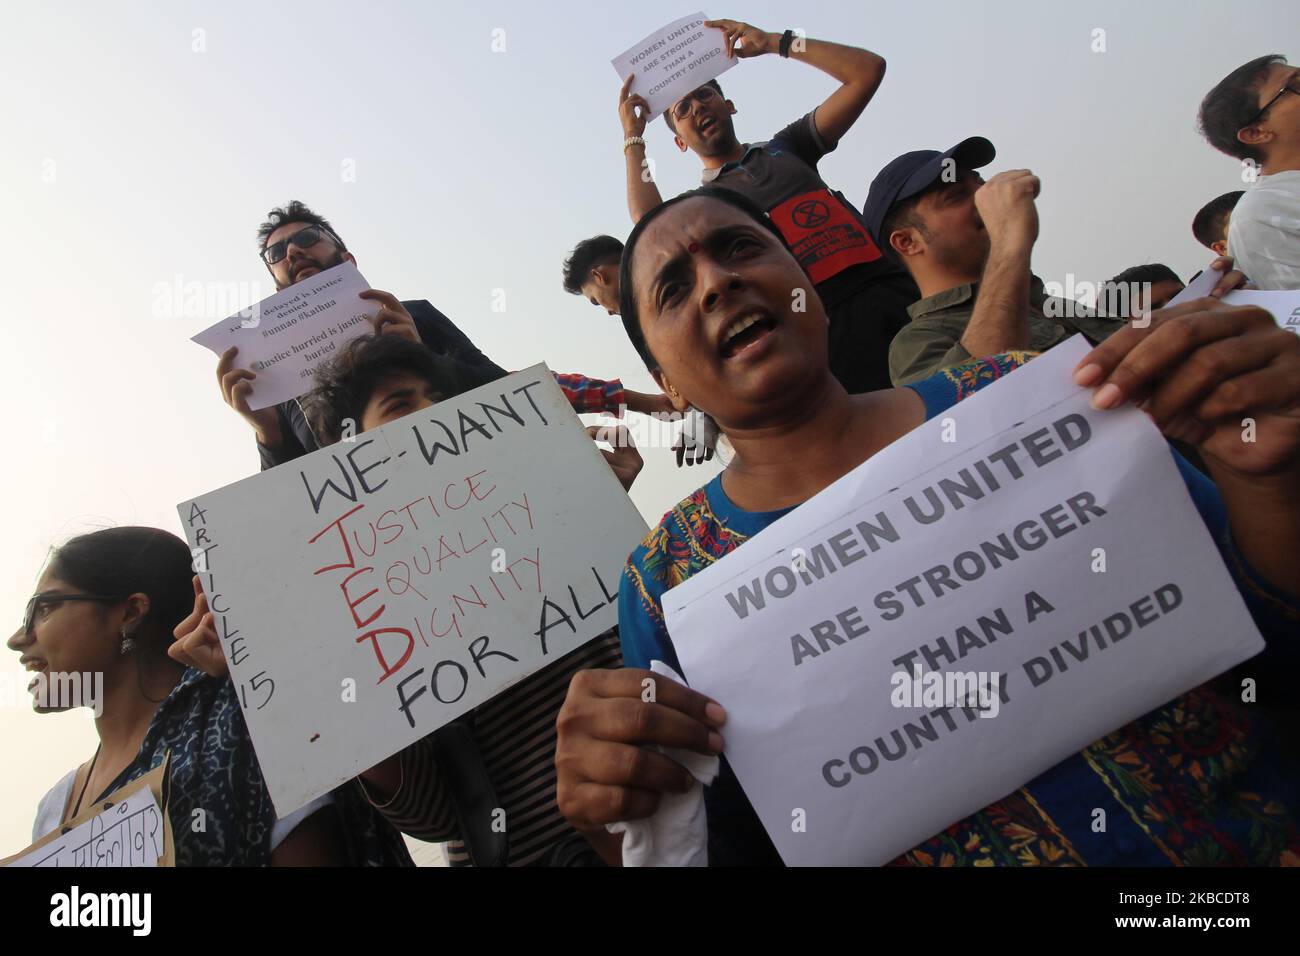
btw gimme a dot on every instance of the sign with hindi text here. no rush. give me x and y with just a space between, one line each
127 828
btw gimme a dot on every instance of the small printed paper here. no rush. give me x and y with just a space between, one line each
1198 288
675 60
1284 306
286 336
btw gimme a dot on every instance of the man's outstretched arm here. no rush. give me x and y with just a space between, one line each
858 71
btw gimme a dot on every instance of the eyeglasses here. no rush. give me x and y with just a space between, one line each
56 597
1289 88
304 238
683 106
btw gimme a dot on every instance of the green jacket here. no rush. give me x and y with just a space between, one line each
931 342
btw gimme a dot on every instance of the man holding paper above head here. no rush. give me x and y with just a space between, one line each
705 300
865 296
296 244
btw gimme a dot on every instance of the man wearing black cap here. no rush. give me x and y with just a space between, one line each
865 295
967 244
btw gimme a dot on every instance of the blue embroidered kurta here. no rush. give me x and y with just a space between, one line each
1201 780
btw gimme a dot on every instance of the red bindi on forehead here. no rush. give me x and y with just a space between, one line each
688 224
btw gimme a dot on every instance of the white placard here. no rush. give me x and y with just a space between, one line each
129 833
672 61
1284 306
1004 586
1199 287
371 591
286 336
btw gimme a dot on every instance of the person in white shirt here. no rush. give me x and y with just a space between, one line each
1254 114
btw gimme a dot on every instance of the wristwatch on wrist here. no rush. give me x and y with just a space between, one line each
784 48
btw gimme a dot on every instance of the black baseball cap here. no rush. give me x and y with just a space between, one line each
915 172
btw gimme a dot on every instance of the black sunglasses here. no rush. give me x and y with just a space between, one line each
304 238
1288 88
55 597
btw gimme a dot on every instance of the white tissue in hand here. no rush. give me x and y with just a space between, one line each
678 833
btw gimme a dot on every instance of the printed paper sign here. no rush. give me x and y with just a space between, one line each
127 828
675 60
1284 306
285 337
1034 566
1198 288
371 591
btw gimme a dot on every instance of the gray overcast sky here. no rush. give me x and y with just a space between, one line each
133 162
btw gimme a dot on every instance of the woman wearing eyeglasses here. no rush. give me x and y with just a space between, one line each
102 620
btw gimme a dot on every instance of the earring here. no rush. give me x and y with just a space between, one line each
128 642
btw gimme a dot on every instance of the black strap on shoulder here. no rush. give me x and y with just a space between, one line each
481 816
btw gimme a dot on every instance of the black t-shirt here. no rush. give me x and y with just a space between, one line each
822 229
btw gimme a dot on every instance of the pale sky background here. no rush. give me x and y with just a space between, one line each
131 161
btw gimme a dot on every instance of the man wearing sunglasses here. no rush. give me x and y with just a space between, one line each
866 295
296 243
1254 115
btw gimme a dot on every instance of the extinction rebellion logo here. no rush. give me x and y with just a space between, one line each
810 214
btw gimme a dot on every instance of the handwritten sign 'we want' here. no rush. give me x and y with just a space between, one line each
372 591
